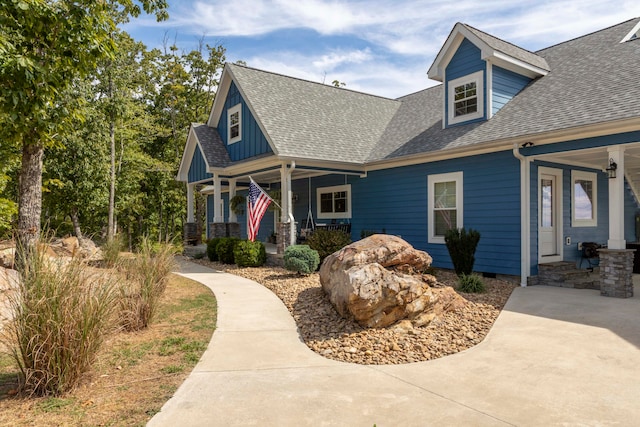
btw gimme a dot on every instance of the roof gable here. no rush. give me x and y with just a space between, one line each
493 49
308 120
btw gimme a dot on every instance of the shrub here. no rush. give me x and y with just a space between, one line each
462 248
224 249
249 254
212 245
147 276
327 242
366 233
61 314
301 258
111 252
471 283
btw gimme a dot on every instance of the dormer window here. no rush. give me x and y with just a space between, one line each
466 98
234 123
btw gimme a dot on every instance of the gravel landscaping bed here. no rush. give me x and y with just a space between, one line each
327 333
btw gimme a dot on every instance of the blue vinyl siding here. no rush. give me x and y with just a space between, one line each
396 200
253 142
198 167
506 85
465 61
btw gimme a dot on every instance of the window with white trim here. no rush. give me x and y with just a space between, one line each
334 202
584 199
234 123
466 98
444 204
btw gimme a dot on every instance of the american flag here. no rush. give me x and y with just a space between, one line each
258 203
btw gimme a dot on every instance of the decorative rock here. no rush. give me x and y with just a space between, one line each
363 280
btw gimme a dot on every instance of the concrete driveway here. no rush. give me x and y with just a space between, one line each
555 356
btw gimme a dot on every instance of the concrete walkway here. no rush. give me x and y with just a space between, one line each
555 356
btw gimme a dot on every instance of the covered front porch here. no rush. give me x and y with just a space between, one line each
578 195
306 196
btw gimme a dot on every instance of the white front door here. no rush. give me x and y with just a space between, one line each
549 215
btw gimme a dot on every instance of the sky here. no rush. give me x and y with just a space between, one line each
381 47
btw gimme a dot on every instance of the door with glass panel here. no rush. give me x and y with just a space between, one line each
549 215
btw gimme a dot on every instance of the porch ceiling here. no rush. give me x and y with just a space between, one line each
598 158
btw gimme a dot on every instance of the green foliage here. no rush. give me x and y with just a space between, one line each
237 204
62 313
327 242
225 248
146 279
301 258
249 254
212 248
367 233
462 246
111 252
471 283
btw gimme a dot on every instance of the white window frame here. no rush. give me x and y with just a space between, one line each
476 77
432 180
333 215
584 176
231 111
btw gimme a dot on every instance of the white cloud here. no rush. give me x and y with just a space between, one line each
389 44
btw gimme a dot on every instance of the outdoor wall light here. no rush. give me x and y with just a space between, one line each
611 170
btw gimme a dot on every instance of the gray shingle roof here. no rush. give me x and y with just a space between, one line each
509 49
213 147
593 80
312 120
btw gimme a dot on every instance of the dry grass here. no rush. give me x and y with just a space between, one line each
133 375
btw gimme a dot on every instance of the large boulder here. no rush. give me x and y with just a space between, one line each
370 280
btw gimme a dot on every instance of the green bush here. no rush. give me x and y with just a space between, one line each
224 249
249 254
462 248
366 233
212 245
61 315
327 242
301 258
471 283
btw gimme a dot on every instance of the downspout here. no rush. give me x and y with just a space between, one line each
292 223
525 225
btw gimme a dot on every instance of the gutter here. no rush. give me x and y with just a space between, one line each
525 215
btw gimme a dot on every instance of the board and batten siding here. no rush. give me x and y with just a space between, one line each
198 167
396 200
506 85
253 142
465 61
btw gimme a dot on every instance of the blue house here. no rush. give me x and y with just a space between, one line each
538 151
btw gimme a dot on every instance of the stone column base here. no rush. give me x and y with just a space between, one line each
283 236
616 272
217 229
233 229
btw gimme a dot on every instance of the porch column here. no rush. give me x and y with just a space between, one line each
190 190
232 192
285 185
217 199
616 200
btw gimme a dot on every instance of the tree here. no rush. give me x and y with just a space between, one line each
45 45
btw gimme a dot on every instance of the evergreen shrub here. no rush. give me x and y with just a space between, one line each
212 245
249 254
301 259
327 242
462 246
471 283
224 249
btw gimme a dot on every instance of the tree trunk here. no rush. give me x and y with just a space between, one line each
30 202
75 220
112 180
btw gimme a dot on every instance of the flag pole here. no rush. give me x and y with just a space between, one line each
265 193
